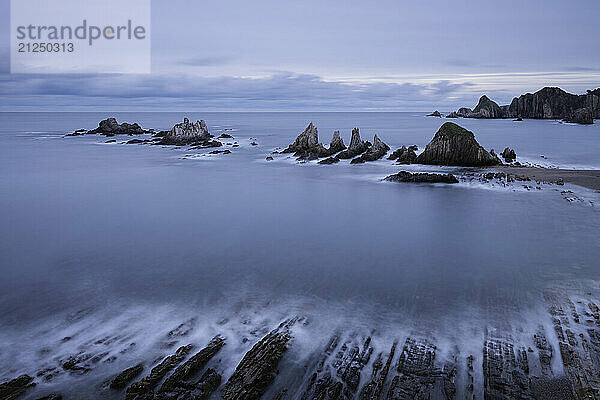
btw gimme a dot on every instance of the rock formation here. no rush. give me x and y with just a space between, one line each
436 113
375 152
453 114
546 103
454 145
16 387
509 155
405 155
357 146
337 143
404 176
122 380
258 368
307 145
188 133
486 108
110 127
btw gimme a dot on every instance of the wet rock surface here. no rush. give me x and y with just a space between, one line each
188 133
16 387
560 359
454 145
307 145
509 155
258 368
436 113
421 177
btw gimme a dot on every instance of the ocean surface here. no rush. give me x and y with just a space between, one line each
97 238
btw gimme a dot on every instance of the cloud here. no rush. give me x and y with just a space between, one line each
207 61
280 91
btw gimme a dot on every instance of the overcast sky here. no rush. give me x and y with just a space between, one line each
333 55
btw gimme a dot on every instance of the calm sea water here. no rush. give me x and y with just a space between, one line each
151 235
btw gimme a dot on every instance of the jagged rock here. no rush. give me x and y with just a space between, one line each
405 155
220 152
436 113
307 146
495 156
225 136
137 141
583 116
269 158
16 387
453 114
110 127
122 380
337 143
404 176
78 132
375 152
188 133
257 369
509 155
178 386
357 146
329 161
454 145
486 108
140 389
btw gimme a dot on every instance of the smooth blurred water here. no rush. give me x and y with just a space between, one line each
113 226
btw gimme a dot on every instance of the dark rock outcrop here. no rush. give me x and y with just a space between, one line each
329 161
258 368
486 108
546 103
141 389
357 146
436 113
417 177
405 155
582 116
16 387
307 145
178 385
375 152
509 155
337 143
110 127
454 145
453 114
122 380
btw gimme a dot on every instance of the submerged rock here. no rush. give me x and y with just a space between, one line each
454 145
509 155
375 152
110 127
436 113
404 176
357 146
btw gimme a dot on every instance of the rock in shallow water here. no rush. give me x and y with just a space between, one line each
122 380
357 146
404 176
16 387
454 145
110 127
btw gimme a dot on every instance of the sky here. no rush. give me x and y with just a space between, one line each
331 56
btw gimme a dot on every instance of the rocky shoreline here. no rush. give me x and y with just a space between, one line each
557 358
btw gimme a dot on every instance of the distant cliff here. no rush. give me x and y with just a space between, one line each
546 103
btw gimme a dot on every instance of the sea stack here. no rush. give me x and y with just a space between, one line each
454 145
357 146
110 127
307 146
